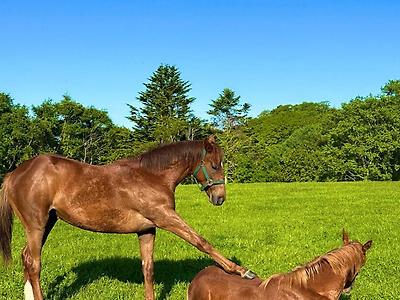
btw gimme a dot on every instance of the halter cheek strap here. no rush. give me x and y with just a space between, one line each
209 181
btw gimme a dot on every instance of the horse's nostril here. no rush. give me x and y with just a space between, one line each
218 200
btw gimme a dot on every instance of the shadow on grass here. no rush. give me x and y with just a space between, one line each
167 272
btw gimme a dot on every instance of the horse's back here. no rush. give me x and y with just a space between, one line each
40 176
30 173
36 183
213 283
43 164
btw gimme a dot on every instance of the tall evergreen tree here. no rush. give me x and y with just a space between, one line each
226 111
392 88
164 114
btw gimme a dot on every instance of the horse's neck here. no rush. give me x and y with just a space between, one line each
327 283
175 174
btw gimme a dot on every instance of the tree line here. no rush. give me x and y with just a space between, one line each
303 142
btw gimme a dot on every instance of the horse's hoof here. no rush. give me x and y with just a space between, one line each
249 275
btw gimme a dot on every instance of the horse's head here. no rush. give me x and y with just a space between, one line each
362 249
210 173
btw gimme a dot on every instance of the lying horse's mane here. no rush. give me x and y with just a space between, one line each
338 260
161 157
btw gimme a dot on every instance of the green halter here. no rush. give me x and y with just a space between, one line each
209 181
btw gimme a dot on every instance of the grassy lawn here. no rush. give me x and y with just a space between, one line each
269 228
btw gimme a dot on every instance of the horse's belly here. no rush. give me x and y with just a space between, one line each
105 219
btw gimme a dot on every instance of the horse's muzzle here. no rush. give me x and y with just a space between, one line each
218 200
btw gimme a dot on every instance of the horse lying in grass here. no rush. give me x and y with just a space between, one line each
324 278
127 196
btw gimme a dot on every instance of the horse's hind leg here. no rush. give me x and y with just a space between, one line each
31 258
31 262
146 240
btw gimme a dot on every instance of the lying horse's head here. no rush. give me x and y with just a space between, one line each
362 248
209 172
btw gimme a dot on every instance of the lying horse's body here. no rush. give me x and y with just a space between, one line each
128 196
324 278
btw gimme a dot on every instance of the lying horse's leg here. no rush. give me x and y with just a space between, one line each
31 258
171 221
146 240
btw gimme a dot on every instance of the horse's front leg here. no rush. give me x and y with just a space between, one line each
171 221
146 241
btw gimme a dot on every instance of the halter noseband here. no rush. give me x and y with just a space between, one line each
209 181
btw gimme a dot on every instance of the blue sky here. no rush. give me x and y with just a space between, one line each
268 52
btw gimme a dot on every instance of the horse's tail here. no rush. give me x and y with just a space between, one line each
6 223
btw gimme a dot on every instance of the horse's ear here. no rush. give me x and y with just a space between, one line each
209 143
345 237
366 246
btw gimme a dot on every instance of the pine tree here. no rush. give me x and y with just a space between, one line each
165 114
226 112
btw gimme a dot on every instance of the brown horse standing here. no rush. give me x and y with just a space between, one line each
128 196
324 278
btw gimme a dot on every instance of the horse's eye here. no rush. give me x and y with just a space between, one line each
215 167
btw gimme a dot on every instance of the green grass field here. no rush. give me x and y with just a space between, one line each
269 228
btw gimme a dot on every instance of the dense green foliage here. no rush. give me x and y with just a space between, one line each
16 138
65 127
289 224
304 142
314 142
